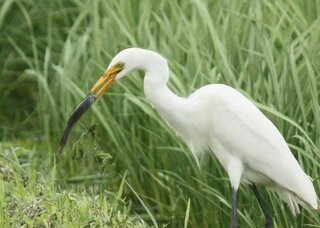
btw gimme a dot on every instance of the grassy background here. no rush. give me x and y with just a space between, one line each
53 51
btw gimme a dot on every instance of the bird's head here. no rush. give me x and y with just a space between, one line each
123 63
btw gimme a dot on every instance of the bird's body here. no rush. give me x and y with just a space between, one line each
219 118
246 143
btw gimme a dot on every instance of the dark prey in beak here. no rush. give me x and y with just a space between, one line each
76 115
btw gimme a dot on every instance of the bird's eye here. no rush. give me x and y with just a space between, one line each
119 65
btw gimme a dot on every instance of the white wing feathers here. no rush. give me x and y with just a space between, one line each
248 135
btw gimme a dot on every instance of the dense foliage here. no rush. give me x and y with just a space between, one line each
53 51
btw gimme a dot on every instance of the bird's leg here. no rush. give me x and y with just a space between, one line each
234 217
264 207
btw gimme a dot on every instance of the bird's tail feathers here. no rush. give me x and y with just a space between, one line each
291 200
306 197
307 194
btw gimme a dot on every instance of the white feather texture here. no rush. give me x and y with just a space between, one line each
218 117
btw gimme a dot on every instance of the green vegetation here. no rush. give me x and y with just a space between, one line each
31 200
121 154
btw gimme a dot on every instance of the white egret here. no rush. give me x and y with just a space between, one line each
221 119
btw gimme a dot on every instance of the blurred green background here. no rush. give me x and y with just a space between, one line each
52 52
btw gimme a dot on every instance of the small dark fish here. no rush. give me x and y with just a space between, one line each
76 115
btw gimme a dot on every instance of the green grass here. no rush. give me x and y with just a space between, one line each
30 199
53 51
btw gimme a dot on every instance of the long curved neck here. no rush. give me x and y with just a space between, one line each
157 91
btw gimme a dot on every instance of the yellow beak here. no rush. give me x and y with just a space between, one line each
106 80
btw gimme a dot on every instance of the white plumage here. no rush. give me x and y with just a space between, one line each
218 117
240 134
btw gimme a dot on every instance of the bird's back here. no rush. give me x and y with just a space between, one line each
239 129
